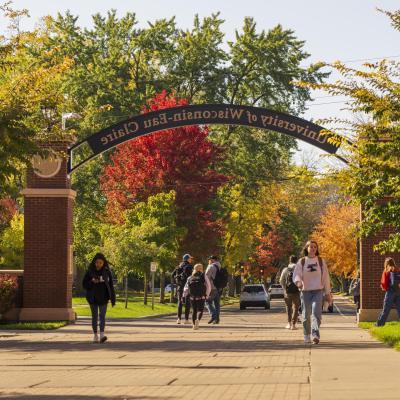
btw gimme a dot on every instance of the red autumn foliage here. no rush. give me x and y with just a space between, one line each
180 159
8 207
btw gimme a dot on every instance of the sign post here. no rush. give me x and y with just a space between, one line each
153 269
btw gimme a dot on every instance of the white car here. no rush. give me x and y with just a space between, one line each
168 288
254 296
276 290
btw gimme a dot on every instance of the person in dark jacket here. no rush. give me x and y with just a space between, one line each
99 291
180 275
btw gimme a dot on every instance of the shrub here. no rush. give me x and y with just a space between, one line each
8 289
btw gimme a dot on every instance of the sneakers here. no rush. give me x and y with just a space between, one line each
95 338
103 337
288 326
196 325
187 322
293 327
315 339
178 321
211 321
307 339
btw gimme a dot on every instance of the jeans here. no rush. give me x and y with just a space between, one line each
198 308
390 298
181 301
98 309
213 305
311 304
292 301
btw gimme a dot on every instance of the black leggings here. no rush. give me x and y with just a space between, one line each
98 310
183 301
198 308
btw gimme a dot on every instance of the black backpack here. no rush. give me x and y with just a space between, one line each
197 285
221 277
395 282
290 286
180 277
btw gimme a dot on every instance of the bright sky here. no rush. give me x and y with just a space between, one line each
344 30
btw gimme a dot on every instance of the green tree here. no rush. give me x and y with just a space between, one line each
12 244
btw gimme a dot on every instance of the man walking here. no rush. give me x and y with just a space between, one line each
291 293
180 275
213 301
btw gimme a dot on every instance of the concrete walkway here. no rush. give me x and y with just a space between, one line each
248 356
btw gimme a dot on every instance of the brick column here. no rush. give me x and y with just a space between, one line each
371 267
48 213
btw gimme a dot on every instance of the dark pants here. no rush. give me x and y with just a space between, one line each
181 301
213 305
198 308
98 310
292 301
357 301
390 299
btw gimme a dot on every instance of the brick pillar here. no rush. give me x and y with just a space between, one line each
371 267
48 212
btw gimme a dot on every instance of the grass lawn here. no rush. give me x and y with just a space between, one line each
42 326
389 334
136 308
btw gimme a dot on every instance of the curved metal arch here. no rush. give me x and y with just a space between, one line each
203 114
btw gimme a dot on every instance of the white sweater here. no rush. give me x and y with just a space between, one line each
311 275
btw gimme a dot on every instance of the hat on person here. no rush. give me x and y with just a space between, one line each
186 257
213 258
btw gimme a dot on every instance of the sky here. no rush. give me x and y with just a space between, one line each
348 30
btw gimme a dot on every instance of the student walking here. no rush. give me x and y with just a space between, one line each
180 275
311 276
197 288
214 273
291 293
99 291
355 290
390 283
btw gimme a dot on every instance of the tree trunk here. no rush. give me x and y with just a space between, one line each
126 291
231 285
162 286
146 291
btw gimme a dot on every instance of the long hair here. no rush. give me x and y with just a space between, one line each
98 256
389 264
197 268
305 248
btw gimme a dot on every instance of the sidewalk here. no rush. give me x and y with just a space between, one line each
248 356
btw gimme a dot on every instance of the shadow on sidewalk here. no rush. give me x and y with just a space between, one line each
23 396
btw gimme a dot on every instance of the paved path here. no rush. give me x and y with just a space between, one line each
248 356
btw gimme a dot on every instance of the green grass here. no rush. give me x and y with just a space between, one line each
389 334
42 326
136 308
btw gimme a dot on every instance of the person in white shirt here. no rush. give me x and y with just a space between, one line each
311 276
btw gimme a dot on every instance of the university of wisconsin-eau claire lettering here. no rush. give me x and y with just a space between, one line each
210 114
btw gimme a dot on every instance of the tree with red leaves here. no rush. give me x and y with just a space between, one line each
179 159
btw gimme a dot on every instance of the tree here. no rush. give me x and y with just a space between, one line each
336 235
181 159
373 174
12 244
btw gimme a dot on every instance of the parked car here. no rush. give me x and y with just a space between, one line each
254 296
326 307
275 290
168 288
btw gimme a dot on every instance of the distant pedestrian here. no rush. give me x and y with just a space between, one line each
197 288
180 276
98 283
311 276
355 287
291 293
218 279
390 283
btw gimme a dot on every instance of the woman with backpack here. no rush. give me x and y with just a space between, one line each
99 291
311 276
197 288
291 293
390 282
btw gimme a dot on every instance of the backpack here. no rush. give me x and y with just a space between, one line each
395 282
180 277
197 285
290 286
221 277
